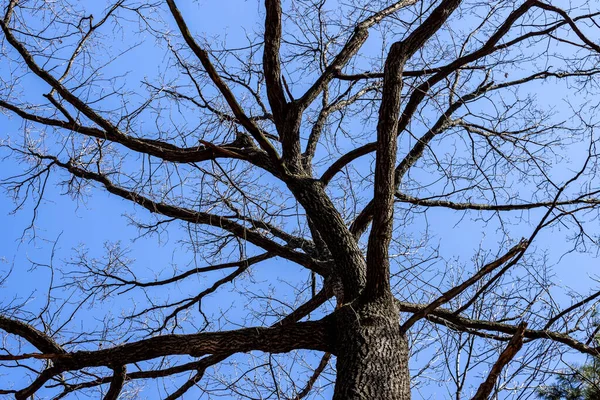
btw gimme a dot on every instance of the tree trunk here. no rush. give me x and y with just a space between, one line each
372 353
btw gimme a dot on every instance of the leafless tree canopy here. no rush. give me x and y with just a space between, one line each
412 174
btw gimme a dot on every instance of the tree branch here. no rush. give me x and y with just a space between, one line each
272 63
512 348
405 198
453 321
192 216
40 340
378 264
156 148
419 93
201 365
312 335
202 55
511 255
116 385
358 38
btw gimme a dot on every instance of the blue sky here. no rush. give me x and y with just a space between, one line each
66 225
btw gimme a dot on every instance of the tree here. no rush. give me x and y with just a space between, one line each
581 384
578 383
344 140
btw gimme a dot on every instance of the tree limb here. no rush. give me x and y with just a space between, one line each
512 348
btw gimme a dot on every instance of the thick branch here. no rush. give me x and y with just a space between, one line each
512 348
378 267
272 63
201 365
40 340
116 385
346 254
156 148
279 339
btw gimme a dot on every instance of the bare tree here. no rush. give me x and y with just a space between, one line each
363 146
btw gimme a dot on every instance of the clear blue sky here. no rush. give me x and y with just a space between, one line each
64 225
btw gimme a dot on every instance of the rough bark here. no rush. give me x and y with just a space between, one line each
372 353
350 266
